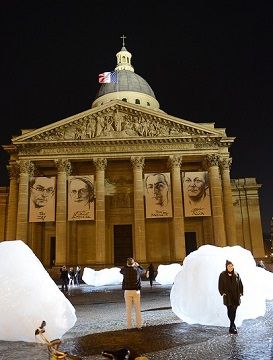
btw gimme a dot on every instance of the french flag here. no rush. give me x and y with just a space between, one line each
108 77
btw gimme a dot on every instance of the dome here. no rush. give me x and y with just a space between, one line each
129 86
126 81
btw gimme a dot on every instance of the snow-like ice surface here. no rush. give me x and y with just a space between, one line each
195 297
29 295
102 277
167 273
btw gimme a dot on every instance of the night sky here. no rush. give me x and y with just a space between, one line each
205 61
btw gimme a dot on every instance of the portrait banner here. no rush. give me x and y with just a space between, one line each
42 199
81 197
196 194
158 195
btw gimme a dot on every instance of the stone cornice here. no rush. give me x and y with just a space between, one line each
204 140
114 148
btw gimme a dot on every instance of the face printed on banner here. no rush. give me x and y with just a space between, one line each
158 195
195 184
80 192
157 189
41 190
196 194
42 199
81 197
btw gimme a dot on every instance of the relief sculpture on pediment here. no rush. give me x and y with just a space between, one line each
115 124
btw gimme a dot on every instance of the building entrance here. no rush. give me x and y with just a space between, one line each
123 244
191 243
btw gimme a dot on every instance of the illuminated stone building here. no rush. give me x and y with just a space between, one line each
122 139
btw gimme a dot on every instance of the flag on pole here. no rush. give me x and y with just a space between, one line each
108 77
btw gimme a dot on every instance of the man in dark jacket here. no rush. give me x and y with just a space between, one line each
64 278
131 285
231 288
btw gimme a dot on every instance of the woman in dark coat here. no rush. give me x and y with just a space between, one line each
231 288
151 273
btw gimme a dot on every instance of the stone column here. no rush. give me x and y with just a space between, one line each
63 169
229 216
100 164
254 217
26 170
139 216
179 249
3 211
212 162
13 171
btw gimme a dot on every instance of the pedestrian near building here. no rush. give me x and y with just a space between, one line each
151 274
261 264
64 278
131 285
78 275
71 276
231 288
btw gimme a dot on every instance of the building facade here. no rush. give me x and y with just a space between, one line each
142 168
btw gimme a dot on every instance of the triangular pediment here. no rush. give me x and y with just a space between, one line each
118 121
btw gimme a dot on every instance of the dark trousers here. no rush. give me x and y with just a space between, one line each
64 285
231 312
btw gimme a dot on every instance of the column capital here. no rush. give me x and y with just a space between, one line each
63 166
137 162
211 160
174 161
225 163
13 171
26 166
100 163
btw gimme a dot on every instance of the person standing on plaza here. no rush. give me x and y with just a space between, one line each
78 275
261 264
131 285
71 276
64 278
151 273
231 288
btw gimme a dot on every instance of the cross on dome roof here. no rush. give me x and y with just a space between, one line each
123 37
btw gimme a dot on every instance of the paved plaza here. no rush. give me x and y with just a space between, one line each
101 324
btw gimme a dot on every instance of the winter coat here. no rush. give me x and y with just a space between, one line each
64 275
131 277
232 287
71 274
151 273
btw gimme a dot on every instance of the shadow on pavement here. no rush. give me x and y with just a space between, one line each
139 342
